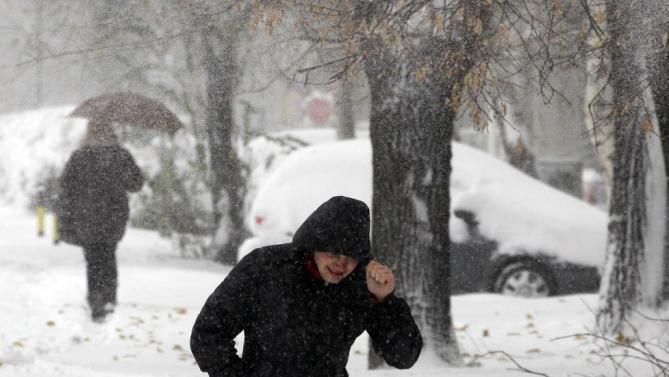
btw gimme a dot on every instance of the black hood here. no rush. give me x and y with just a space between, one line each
340 225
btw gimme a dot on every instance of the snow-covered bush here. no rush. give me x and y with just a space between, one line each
175 197
34 146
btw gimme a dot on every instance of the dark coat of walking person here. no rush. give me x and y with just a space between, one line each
94 209
301 305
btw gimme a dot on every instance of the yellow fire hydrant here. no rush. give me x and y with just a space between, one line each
40 221
41 214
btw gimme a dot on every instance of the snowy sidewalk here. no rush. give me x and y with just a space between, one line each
45 330
44 322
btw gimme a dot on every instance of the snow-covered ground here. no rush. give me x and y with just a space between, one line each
45 330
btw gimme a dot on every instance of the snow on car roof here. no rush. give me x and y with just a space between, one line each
520 212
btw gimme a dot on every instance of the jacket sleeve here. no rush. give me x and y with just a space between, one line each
394 334
222 318
71 183
132 176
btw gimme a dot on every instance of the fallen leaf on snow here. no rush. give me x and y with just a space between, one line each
137 319
50 323
180 310
18 344
178 348
486 333
533 350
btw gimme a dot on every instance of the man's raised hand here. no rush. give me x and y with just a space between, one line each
380 279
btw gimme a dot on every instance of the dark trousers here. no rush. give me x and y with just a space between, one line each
102 275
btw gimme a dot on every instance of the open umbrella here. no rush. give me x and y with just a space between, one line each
129 108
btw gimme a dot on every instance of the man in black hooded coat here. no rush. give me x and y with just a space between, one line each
301 305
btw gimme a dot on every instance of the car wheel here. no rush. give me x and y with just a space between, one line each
523 279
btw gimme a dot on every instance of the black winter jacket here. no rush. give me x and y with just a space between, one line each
295 325
93 204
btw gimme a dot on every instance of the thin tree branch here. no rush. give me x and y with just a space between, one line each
520 367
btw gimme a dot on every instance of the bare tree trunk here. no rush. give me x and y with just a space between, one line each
39 68
413 108
227 182
659 83
346 126
107 69
411 132
630 246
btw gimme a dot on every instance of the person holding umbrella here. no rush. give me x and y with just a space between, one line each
94 209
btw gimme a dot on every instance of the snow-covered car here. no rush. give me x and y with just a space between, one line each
510 233
263 153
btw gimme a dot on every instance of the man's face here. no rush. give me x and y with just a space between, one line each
334 267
